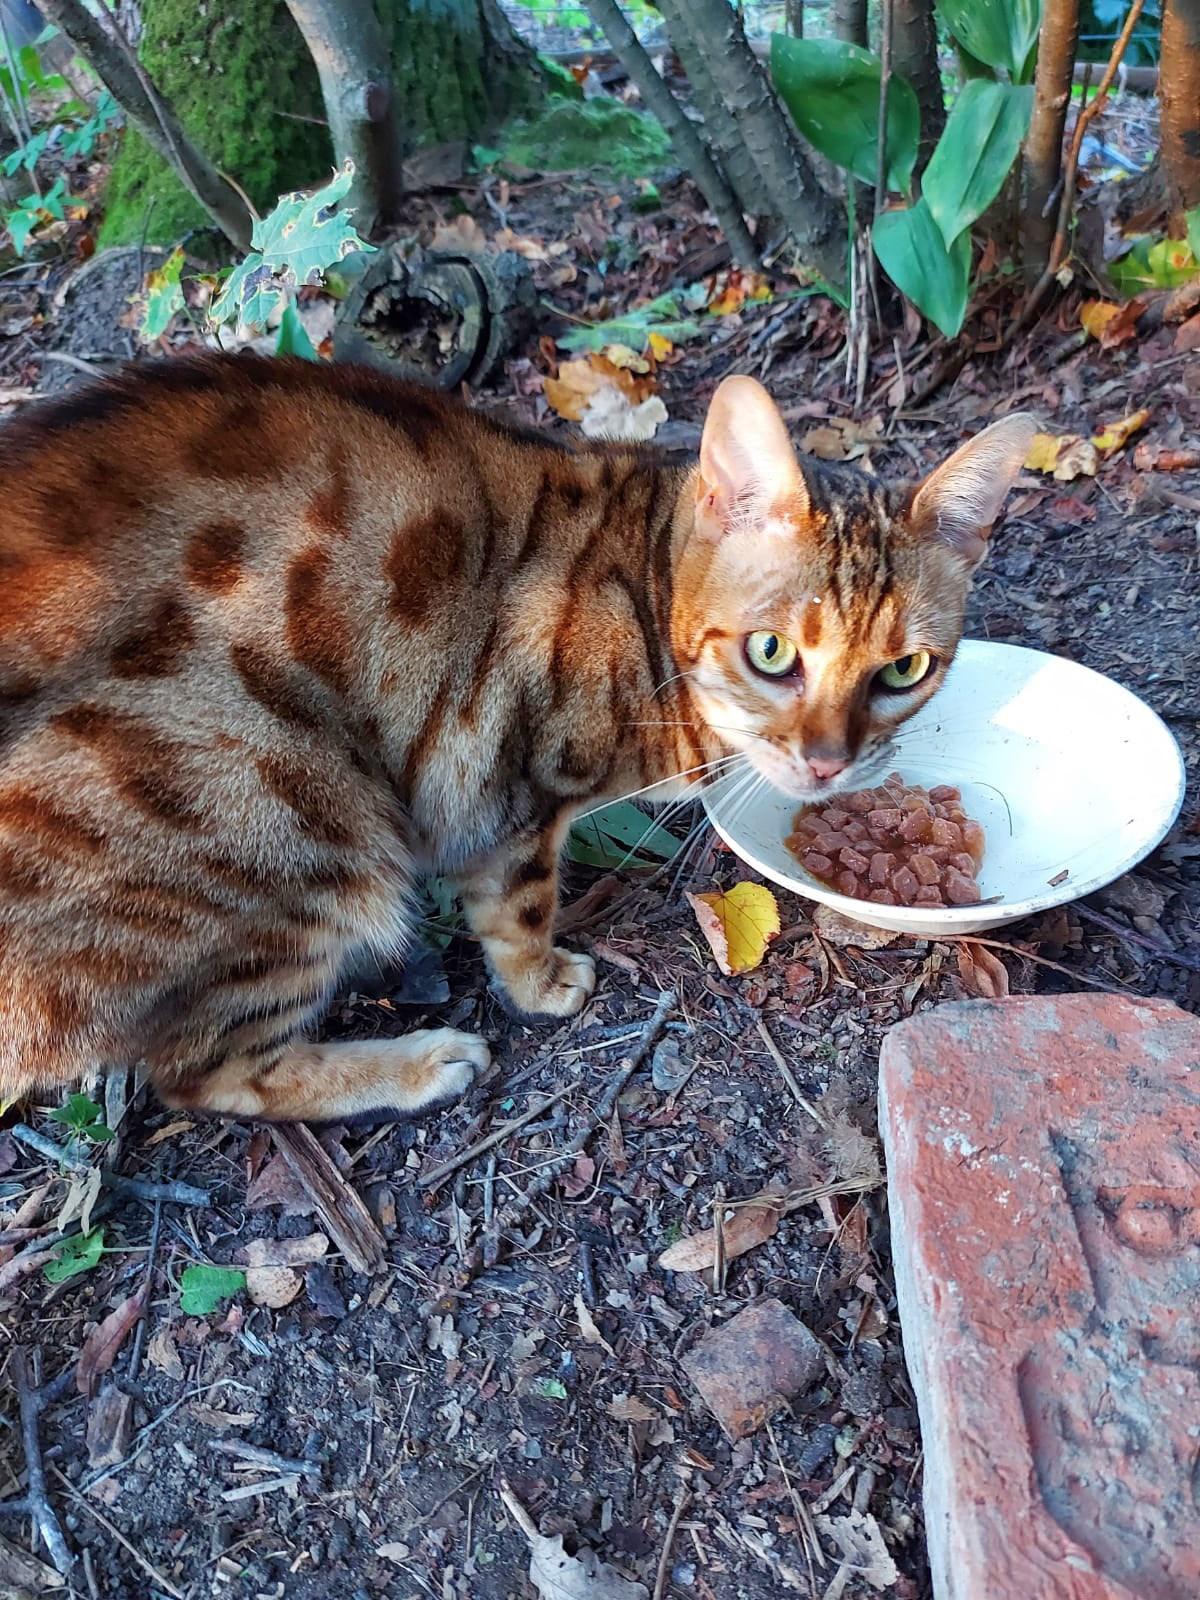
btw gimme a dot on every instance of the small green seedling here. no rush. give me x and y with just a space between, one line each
80 1253
82 1116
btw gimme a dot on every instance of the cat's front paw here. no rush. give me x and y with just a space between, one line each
557 990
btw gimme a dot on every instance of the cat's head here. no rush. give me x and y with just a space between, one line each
816 610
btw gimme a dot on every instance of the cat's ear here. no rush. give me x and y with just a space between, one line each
960 500
747 464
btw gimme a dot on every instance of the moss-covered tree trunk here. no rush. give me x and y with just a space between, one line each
245 88
458 68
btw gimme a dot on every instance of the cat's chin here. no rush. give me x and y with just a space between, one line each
799 784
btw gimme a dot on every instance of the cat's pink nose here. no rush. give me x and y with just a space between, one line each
825 769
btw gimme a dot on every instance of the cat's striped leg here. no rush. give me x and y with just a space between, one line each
304 1082
510 904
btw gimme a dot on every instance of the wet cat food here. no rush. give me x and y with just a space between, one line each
898 845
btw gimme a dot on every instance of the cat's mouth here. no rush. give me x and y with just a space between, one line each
792 775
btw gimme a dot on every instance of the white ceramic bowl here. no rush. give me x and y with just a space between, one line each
1067 771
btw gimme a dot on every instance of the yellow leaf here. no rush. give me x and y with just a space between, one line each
1043 453
729 300
624 356
1095 315
659 344
1116 434
739 925
1066 456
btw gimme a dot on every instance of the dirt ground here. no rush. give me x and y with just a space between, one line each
353 1442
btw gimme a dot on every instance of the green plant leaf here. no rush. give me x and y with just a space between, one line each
83 1116
973 157
164 296
832 90
618 835
203 1288
1001 33
913 253
293 337
1192 222
80 1253
307 233
664 315
250 295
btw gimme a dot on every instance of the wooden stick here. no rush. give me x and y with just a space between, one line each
347 1221
34 1502
430 1180
664 1560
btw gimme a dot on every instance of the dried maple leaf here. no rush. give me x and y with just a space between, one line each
739 924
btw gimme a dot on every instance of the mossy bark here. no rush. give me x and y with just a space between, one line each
242 82
458 68
244 86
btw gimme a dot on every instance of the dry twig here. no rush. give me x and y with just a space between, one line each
33 1503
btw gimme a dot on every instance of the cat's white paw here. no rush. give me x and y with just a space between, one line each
449 1063
560 990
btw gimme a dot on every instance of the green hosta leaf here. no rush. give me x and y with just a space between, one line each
164 296
293 337
832 90
80 1253
973 157
1002 33
306 233
83 1116
203 1288
914 255
664 315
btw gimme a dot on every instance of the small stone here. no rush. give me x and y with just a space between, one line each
749 1367
1044 1192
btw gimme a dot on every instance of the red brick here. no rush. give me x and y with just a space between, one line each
1044 1184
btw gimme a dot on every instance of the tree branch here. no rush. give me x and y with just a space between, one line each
353 63
689 147
152 116
1044 141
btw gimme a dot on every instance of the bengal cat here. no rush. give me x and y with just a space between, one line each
276 638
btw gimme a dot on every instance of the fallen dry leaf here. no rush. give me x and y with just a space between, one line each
109 1427
464 234
746 1225
982 972
1115 435
580 381
587 1325
531 249
659 344
271 1278
1095 315
846 933
1064 456
842 438
739 924
1187 335
183 1125
558 1576
628 1408
101 1346
162 1353
862 1546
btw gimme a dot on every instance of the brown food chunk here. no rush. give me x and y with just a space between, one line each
894 845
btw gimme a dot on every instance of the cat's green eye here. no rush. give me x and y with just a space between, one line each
906 672
770 653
